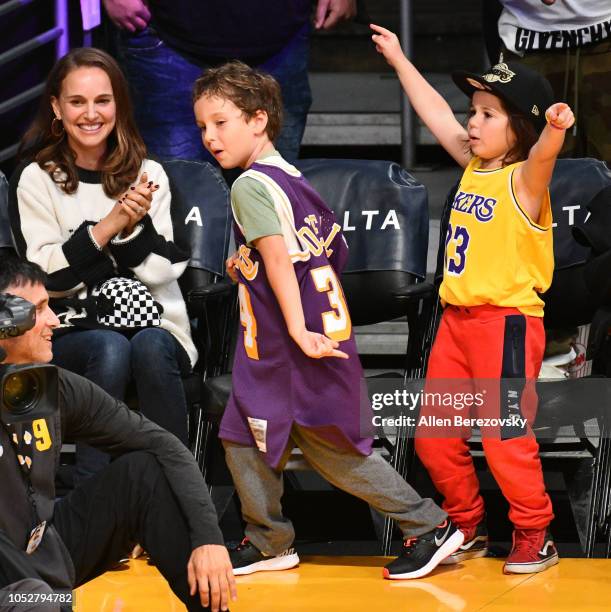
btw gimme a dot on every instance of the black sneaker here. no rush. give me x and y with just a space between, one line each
474 546
248 559
421 555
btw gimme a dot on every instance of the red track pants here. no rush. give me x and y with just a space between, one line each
488 342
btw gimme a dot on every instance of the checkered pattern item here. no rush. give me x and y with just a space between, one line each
126 302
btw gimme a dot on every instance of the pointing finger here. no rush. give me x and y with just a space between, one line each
379 29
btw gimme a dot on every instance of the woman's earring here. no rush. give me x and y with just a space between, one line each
57 127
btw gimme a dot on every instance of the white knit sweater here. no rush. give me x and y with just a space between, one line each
52 229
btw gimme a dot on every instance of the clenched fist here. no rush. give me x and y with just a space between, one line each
560 116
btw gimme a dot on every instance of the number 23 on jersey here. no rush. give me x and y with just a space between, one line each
457 245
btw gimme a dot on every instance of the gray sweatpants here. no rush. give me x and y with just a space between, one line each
370 478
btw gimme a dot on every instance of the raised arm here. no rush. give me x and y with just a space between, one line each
534 175
430 106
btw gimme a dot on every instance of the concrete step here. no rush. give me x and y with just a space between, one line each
385 338
351 108
396 326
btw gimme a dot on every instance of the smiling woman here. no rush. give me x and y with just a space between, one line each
86 107
85 120
90 209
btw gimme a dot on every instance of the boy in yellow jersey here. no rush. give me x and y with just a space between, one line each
499 259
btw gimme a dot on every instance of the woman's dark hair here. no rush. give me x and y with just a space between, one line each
49 148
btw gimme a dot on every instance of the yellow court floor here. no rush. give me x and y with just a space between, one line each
355 584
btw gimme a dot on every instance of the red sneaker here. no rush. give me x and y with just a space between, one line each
533 551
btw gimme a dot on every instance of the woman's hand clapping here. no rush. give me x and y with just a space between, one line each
136 203
127 212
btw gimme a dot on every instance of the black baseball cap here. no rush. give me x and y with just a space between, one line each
520 87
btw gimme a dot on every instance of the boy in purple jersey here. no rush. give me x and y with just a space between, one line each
297 378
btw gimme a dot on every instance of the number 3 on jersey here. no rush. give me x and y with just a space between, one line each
249 323
336 323
458 238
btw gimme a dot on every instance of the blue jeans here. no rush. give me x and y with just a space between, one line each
161 81
152 357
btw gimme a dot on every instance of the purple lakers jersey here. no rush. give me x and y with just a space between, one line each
274 383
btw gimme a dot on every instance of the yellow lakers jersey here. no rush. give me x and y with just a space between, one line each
495 253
